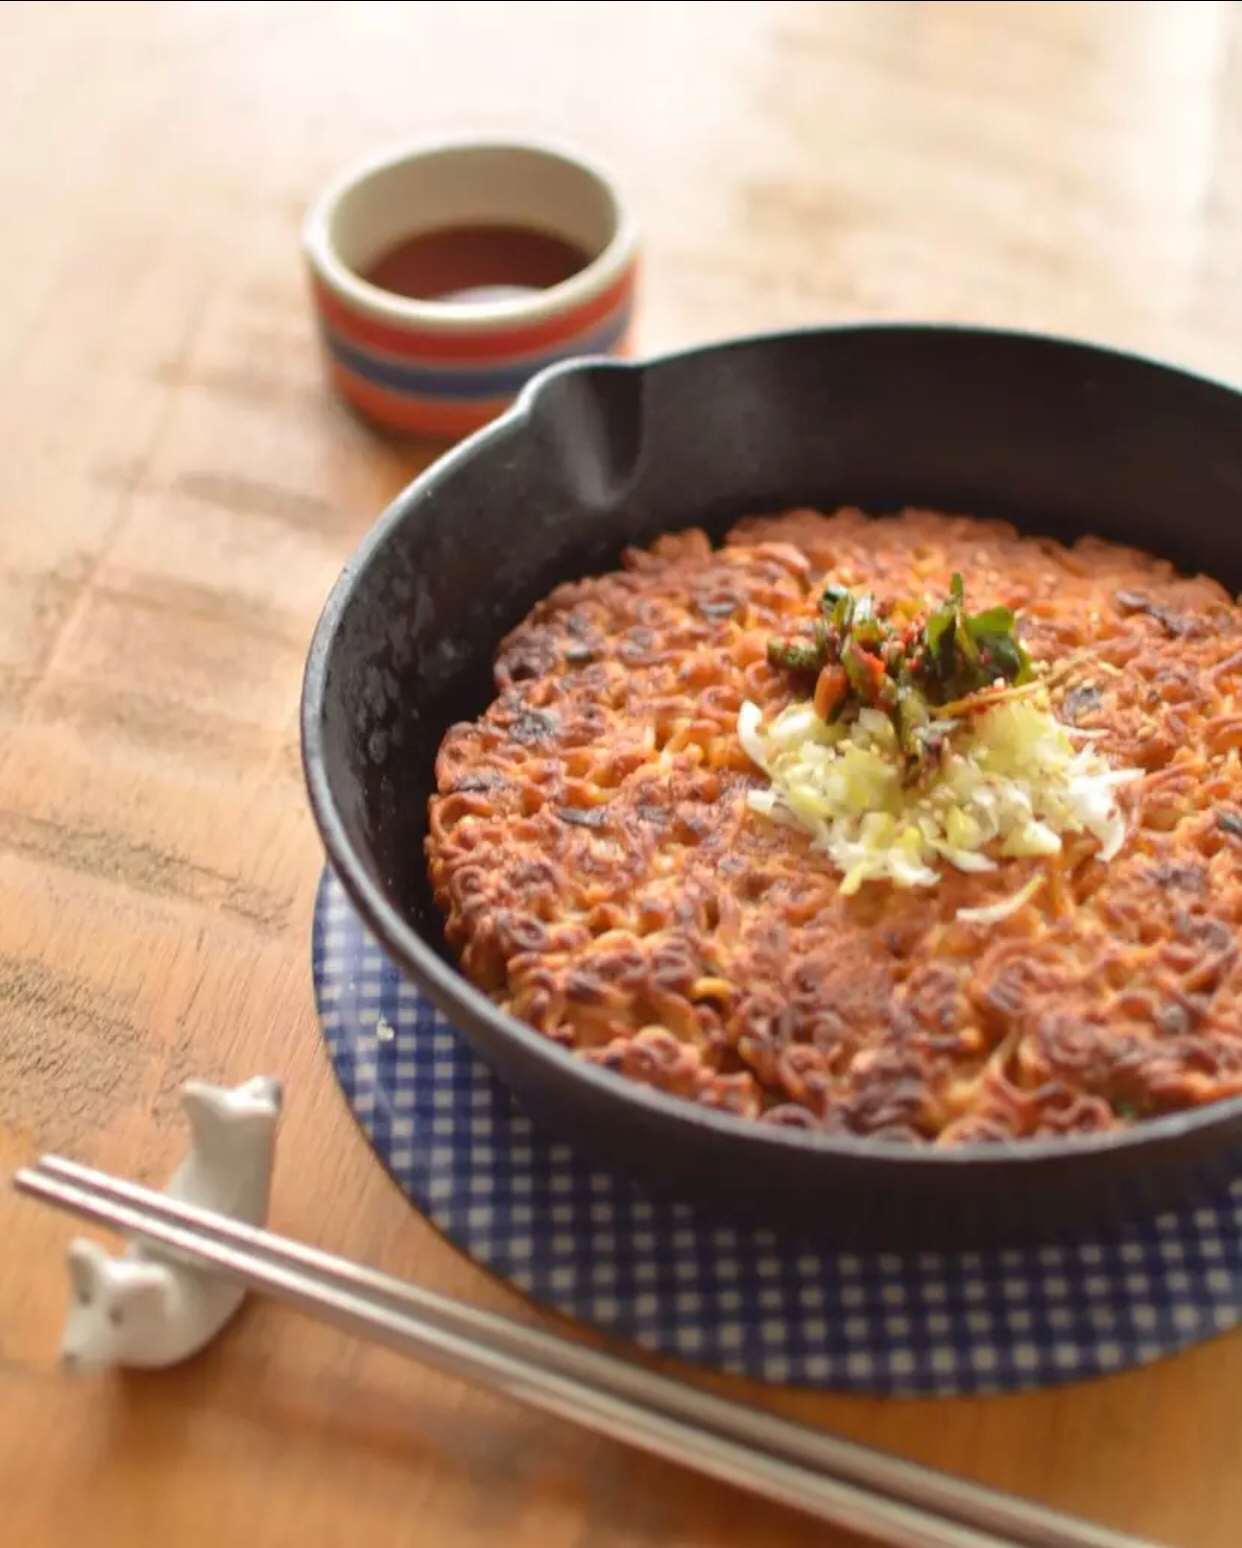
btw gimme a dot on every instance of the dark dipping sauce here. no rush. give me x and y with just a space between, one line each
476 263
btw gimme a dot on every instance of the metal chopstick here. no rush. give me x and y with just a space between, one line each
633 1423
899 1502
982 1508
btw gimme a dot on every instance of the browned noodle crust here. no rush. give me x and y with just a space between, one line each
603 879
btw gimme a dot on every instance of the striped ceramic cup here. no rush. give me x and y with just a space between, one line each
446 275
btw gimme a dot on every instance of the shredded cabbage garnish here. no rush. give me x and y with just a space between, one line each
1010 784
993 913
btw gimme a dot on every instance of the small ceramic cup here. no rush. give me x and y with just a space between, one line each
443 367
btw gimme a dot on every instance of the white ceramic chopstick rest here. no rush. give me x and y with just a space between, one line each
145 1309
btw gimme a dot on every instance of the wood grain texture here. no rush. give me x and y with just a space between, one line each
178 491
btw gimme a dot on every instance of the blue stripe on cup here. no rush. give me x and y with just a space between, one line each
485 381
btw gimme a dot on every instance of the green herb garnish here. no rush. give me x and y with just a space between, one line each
795 655
905 661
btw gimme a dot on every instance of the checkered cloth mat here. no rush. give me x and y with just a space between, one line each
592 1244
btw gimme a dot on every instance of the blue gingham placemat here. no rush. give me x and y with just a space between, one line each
594 1245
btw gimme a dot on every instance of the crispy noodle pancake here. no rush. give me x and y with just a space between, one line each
604 880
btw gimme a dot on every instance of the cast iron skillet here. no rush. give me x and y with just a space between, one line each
1058 437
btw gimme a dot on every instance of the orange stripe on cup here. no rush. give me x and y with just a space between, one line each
498 343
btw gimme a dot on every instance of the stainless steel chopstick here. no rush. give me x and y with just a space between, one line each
640 1426
984 1509
901 1503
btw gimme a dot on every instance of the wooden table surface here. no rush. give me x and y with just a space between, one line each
177 492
